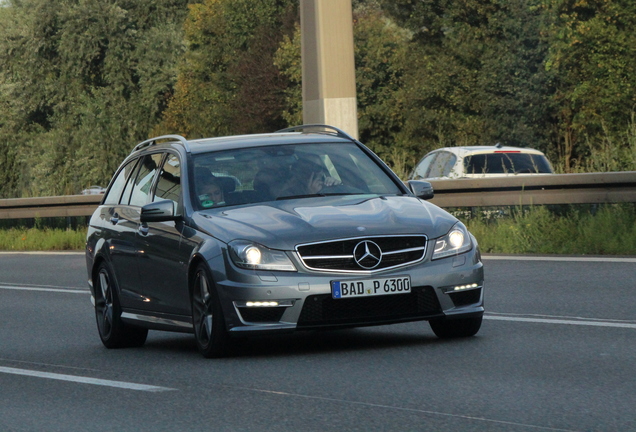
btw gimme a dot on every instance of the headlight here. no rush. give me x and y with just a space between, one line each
455 242
254 256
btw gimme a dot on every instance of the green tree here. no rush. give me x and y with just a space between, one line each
227 81
475 75
82 82
593 57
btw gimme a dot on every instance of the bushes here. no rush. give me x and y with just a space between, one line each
606 230
42 239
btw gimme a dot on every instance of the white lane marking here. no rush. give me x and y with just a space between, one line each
84 380
562 320
558 258
41 253
45 288
398 408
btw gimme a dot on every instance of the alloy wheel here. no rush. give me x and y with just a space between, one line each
104 304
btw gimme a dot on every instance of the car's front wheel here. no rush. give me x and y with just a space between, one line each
113 332
207 316
456 328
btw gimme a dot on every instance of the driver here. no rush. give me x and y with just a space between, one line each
308 178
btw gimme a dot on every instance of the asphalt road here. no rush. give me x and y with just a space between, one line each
556 352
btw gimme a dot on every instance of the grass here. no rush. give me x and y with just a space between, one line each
606 230
570 230
42 239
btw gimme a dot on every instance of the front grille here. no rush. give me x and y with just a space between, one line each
464 298
261 314
338 255
323 310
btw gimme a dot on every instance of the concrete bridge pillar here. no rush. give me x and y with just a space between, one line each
329 83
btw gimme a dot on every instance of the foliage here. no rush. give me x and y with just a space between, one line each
227 82
82 82
592 58
49 239
475 75
608 230
287 59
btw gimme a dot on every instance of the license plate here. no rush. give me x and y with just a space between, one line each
370 287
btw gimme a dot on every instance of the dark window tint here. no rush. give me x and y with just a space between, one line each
118 184
141 188
507 163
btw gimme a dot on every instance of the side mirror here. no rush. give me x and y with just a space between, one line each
421 189
159 211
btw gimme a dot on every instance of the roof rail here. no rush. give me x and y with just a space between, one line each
153 141
339 133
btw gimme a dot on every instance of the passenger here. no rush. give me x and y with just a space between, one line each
210 191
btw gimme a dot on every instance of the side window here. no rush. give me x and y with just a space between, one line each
118 185
422 169
437 167
476 164
448 166
125 198
169 183
141 189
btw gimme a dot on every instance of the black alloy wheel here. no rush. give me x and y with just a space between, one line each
113 332
207 316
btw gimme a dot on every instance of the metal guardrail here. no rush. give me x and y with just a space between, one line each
43 207
591 188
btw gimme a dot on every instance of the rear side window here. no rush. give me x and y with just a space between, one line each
169 182
141 188
507 163
118 184
442 165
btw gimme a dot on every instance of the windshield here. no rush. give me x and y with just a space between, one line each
259 174
507 163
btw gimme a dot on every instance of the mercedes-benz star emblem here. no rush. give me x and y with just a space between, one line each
367 254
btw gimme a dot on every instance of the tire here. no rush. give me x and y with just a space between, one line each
456 328
113 332
207 316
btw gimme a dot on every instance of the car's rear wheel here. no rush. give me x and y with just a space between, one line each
207 316
456 328
113 332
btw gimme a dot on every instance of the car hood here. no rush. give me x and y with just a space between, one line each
285 224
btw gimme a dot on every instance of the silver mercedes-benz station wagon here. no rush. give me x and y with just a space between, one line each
304 228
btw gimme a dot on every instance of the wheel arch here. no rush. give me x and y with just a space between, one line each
99 260
196 260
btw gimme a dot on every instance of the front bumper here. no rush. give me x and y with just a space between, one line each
257 301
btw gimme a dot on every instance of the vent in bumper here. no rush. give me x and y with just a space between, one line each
323 310
465 298
261 314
